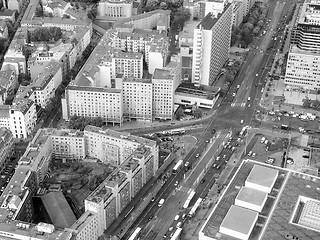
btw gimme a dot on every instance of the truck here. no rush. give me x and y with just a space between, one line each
161 202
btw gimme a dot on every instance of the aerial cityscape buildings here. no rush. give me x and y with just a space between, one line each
124 119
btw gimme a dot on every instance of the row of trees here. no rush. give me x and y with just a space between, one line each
231 71
44 34
81 122
252 25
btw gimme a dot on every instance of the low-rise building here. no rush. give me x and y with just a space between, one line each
195 97
8 14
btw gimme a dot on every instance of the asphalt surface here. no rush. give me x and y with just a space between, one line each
235 111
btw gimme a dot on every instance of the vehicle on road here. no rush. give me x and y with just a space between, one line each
176 183
179 224
176 234
161 202
135 234
150 218
177 166
153 199
249 98
176 218
195 207
190 196
197 155
202 181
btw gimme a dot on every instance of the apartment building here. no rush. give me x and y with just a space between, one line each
157 19
8 84
163 94
214 7
114 194
46 83
238 12
137 99
6 146
64 53
153 44
94 102
57 8
211 46
303 69
130 64
14 56
305 32
23 117
113 147
139 161
68 145
115 8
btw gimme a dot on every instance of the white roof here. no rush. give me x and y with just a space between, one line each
262 176
253 196
240 220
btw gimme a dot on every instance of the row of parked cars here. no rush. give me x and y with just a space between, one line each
302 116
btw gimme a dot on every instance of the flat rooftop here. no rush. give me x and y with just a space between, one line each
252 196
274 220
239 219
262 176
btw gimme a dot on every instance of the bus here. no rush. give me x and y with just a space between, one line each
177 166
191 195
135 234
176 234
178 131
195 207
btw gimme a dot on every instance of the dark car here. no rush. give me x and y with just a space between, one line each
151 217
202 181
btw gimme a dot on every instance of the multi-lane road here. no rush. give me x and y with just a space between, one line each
234 114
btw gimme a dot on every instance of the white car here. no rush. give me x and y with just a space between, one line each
250 153
253 154
241 121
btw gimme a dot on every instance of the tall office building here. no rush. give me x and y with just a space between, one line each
211 45
303 64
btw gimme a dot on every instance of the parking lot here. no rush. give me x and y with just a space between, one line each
264 147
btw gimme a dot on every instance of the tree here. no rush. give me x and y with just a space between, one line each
256 31
306 103
44 34
229 77
197 113
92 13
179 18
247 38
3 45
24 79
179 113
